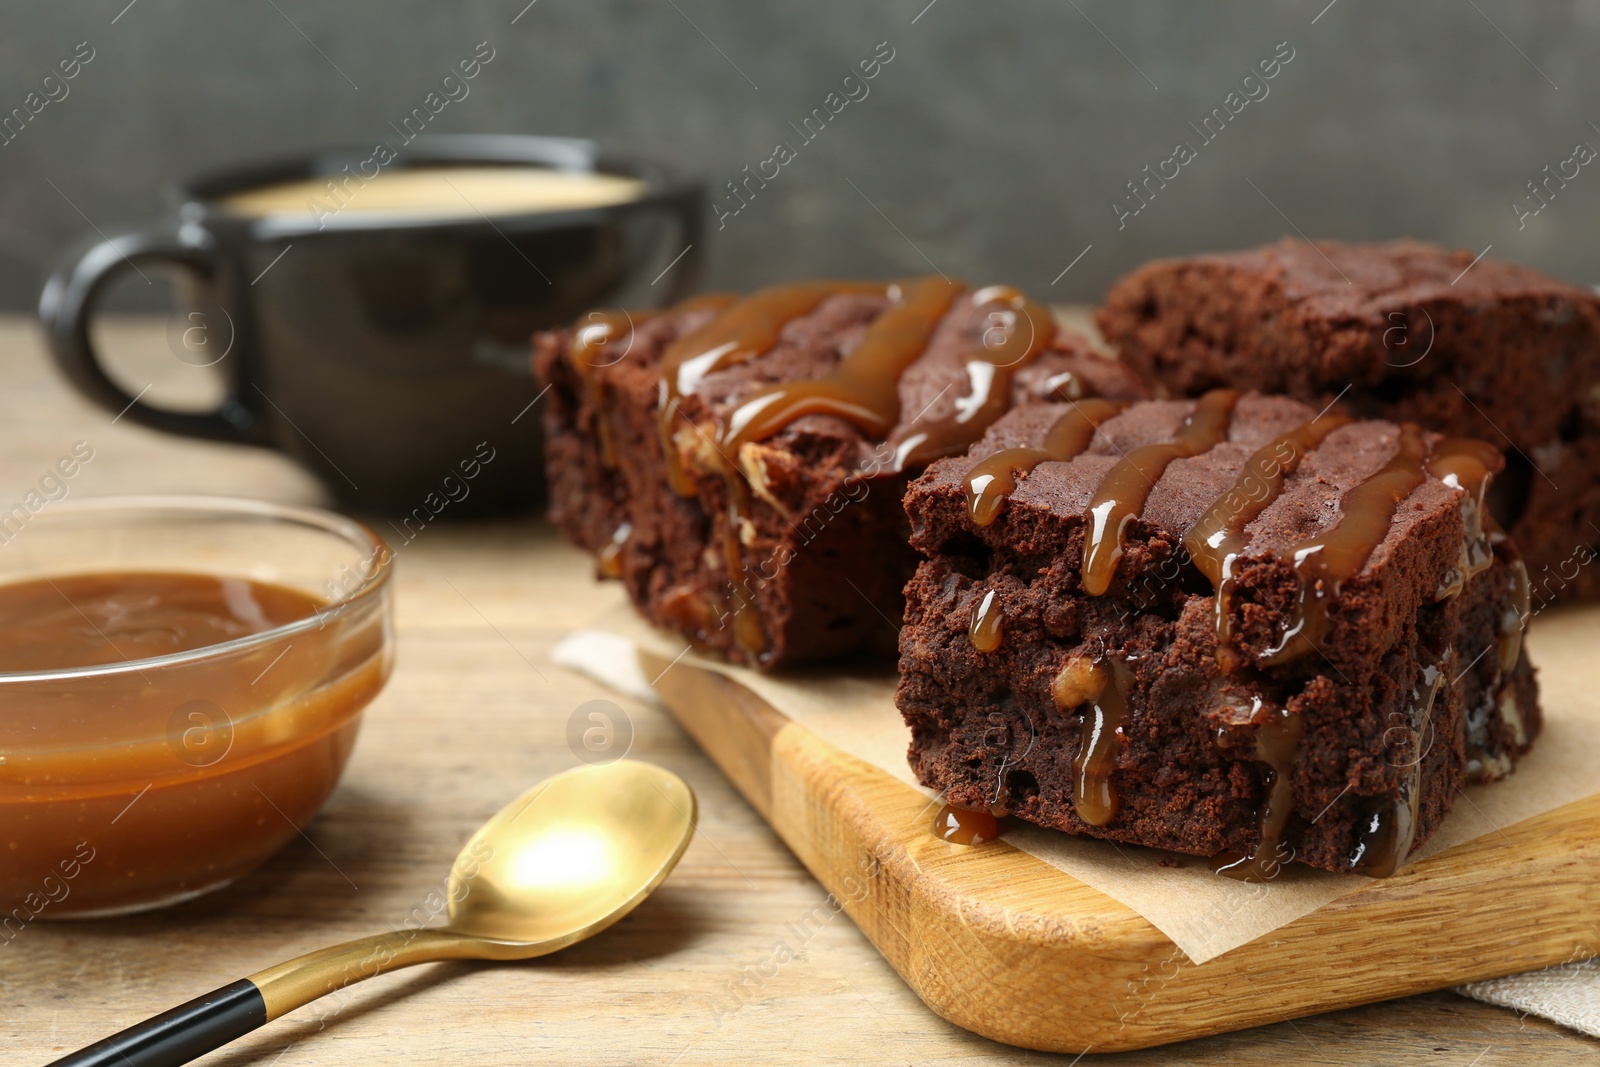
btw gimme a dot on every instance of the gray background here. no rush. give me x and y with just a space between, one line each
992 146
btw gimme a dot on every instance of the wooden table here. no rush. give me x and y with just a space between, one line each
474 714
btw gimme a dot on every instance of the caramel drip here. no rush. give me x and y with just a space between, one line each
1122 493
984 630
1324 562
1384 836
1094 797
1389 829
1022 329
610 560
1465 464
864 388
1216 539
961 826
992 480
583 354
598 330
1277 745
746 329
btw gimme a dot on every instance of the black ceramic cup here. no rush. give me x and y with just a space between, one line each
386 353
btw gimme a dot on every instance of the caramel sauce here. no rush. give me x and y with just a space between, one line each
745 329
1094 797
218 760
1389 829
992 480
1324 562
85 620
1466 464
583 354
984 630
609 562
962 826
1277 744
1216 539
600 329
864 388
1063 386
1122 493
1026 329
1384 837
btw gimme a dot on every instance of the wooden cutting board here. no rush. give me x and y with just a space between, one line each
1003 944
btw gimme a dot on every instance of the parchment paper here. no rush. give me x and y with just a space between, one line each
1204 914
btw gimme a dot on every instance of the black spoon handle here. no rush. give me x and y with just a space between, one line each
211 1021
180 1034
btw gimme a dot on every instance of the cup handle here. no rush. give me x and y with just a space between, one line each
67 305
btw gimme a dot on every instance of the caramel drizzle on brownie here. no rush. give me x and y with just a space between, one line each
1094 798
984 631
1277 744
586 350
746 329
1390 826
1216 539
1323 563
1466 464
609 563
863 389
1122 493
583 354
1021 330
992 480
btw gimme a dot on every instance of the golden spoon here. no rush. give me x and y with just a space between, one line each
560 863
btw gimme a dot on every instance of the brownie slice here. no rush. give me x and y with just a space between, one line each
739 463
1230 627
1405 331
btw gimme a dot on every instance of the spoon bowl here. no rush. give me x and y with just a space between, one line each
572 855
559 864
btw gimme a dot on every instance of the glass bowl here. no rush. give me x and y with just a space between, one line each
137 784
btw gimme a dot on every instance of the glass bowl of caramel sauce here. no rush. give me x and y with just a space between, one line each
181 684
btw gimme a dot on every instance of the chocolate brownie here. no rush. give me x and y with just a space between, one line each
1231 626
1404 331
739 462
